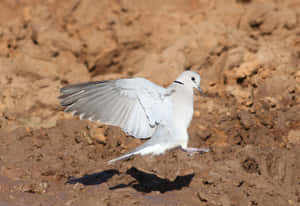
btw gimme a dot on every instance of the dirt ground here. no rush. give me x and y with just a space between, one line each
247 53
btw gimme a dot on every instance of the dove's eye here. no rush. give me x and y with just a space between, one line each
193 78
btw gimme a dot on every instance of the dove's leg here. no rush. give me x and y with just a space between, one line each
195 150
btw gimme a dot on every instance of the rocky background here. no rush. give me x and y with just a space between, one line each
247 53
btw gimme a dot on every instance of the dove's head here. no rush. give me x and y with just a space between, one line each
190 79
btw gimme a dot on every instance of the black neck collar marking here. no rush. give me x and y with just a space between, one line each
178 82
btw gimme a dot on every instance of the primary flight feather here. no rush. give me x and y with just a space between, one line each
141 108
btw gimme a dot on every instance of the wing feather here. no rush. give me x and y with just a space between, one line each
128 103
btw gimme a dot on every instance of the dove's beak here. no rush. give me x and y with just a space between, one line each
199 89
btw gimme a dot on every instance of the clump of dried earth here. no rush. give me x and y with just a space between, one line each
248 55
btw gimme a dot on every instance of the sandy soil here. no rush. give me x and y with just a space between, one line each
247 53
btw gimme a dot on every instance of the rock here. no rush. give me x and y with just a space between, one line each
107 61
169 64
36 68
235 58
97 133
97 41
275 90
35 188
204 134
294 137
71 70
246 119
243 96
56 40
290 19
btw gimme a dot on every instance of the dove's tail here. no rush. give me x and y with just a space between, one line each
144 149
125 156
158 144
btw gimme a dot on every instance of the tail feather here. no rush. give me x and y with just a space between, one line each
125 156
144 149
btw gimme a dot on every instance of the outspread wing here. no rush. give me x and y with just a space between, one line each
136 105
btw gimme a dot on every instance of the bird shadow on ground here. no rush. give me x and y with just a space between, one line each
94 179
146 182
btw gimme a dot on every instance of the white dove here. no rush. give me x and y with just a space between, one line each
141 108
